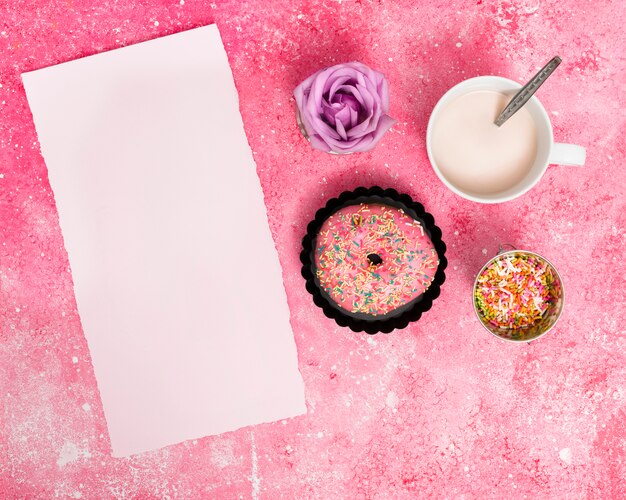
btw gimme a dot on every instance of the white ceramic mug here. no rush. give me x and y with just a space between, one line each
547 150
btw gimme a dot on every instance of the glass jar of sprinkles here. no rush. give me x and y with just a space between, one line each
518 296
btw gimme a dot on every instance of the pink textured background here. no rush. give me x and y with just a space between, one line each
440 408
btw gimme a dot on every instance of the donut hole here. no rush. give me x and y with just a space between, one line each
375 259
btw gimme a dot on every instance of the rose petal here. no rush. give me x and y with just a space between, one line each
320 127
368 124
372 108
369 98
347 100
385 123
317 87
343 70
330 110
341 130
383 92
347 89
364 144
354 117
343 117
313 116
344 108
315 124
365 127
368 141
338 82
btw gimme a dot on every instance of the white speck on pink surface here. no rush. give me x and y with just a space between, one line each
70 453
566 455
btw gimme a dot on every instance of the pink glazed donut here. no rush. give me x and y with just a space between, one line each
373 259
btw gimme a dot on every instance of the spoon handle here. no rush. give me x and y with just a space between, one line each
527 91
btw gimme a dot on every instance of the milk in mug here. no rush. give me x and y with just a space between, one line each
475 154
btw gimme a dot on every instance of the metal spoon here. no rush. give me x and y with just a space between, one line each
527 91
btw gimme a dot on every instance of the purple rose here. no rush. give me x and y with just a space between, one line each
343 109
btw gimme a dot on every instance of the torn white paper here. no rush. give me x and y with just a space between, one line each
176 276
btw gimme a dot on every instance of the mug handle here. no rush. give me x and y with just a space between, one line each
568 154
